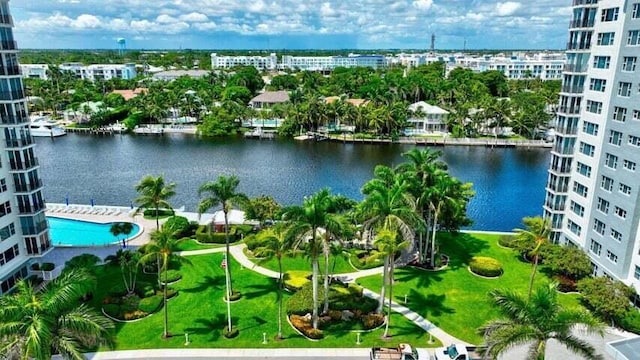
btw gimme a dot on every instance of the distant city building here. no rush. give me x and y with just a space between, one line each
24 233
593 188
426 119
86 72
259 62
327 63
170 75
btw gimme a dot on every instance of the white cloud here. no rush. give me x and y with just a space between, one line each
423 4
326 10
507 8
194 17
166 19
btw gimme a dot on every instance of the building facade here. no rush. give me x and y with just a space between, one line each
87 72
593 187
259 62
23 226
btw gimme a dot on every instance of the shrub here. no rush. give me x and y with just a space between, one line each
34 280
485 266
112 310
230 334
133 315
565 284
180 225
47 266
294 280
508 241
150 304
118 290
242 229
171 276
171 292
144 289
335 315
301 302
568 261
204 235
372 321
305 327
356 289
609 299
161 212
630 321
252 242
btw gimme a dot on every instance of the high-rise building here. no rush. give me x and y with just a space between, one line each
593 189
23 226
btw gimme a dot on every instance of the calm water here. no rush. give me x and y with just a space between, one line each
509 182
66 232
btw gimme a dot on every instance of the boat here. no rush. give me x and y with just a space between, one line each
41 127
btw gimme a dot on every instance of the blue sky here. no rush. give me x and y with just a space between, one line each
291 24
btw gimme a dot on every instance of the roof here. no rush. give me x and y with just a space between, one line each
271 97
178 73
427 108
626 349
236 217
130 94
354 102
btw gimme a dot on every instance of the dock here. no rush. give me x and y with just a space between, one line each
260 134
90 131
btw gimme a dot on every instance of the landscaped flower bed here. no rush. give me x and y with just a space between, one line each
485 266
146 300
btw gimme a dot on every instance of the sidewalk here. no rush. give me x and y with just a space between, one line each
232 353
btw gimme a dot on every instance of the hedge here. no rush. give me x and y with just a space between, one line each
301 303
252 242
171 276
508 241
204 235
364 259
294 280
485 266
180 225
151 304
161 212
305 327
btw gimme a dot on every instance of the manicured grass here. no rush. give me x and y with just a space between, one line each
302 262
191 244
200 311
454 299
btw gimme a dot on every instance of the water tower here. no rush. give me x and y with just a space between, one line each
122 45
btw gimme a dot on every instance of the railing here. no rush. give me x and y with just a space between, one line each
12 70
34 230
12 119
579 45
29 187
572 89
584 2
13 143
577 68
6 19
569 109
561 169
11 95
581 23
8 45
559 188
22 165
28 209
567 130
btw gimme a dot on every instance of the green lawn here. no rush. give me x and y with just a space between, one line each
200 311
192 244
454 299
337 264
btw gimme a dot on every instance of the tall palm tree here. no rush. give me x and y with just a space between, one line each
163 249
128 261
222 192
388 244
535 321
121 228
306 220
154 194
38 324
276 243
535 235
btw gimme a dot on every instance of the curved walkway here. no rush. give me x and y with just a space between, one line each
237 251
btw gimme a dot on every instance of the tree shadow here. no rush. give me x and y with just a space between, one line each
208 282
253 322
258 290
424 278
432 305
460 247
213 326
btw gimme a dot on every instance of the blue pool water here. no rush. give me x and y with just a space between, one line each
66 232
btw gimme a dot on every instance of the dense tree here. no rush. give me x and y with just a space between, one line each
262 208
536 321
154 194
608 298
128 261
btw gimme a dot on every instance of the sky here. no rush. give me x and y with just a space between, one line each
291 24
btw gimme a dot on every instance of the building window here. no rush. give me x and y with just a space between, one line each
611 161
634 140
577 208
610 14
599 227
5 209
580 189
9 254
619 114
636 115
591 128
583 169
611 256
603 206
625 189
598 85
635 13
607 183
587 149
3 185
595 247
629 165
616 235
601 62
606 38
624 89
7 231
621 212
634 38
615 137
574 228
629 63
594 107
636 273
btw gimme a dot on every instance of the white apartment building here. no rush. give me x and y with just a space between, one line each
327 63
88 72
426 119
23 227
259 62
593 189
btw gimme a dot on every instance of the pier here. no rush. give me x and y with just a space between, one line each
98 131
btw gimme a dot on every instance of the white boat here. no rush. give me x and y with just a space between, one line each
40 127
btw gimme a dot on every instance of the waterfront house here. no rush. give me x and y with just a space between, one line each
426 119
267 99
130 94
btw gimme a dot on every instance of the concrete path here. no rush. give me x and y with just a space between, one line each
287 353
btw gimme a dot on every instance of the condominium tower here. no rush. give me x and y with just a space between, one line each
23 226
593 187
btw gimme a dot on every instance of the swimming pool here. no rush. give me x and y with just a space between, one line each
68 232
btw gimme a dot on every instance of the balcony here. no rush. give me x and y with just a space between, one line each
8 45
13 119
29 187
571 110
30 209
11 70
6 19
575 68
581 23
555 205
11 95
34 230
21 166
572 89
567 130
558 187
559 169
19 143
584 2
579 46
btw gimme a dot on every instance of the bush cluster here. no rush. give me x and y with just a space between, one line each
508 241
365 259
180 226
485 266
372 320
150 304
304 326
294 280
205 236
171 276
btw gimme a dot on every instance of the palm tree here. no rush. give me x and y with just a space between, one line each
222 192
128 261
306 220
154 194
38 324
537 320
163 249
276 243
388 246
121 228
536 234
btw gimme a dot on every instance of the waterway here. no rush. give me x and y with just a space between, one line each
509 183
